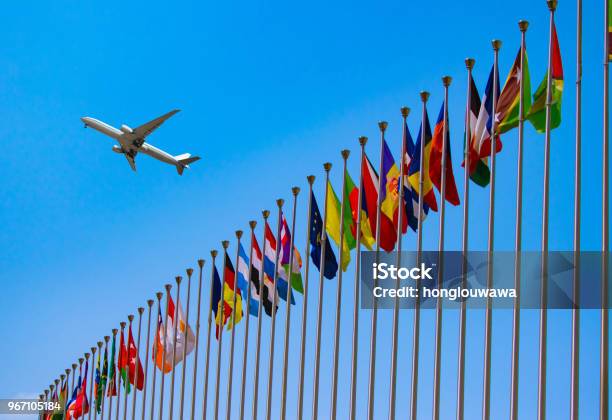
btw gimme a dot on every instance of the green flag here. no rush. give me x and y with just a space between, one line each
509 100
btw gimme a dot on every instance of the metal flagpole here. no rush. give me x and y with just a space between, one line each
112 363
295 191
89 393
189 272
575 369
552 5
74 366
372 372
486 399
523 25
345 154
56 382
118 376
279 203
417 304
603 347
300 403
159 296
225 244
446 81
245 350
64 382
254 413
230 375
146 368
213 254
51 388
197 342
175 335
163 359
355 343
315 397
127 376
394 343
106 340
469 64
136 362
94 398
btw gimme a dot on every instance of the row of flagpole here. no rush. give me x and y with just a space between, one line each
70 374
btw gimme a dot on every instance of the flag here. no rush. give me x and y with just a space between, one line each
411 196
175 328
221 309
244 283
435 161
229 290
429 196
351 198
316 236
256 269
72 402
122 362
537 115
133 362
269 261
284 257
79 406
333 225
112 377
389 207
507 107
63 395
101 378
369 203
479 169
609 30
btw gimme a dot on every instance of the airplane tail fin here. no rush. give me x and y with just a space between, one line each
183 162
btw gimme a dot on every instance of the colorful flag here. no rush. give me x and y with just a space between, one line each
284 257
112 377
507 107
270 256
389 207
351 199
79 406
133 362
218 305
537 115
316 236
243 282
333 225
101 379
429 196
72 402
369 203
122 363
479 169
229 290
435 161
411 196
62 399
256 270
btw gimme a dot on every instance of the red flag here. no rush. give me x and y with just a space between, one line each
435 161
134 360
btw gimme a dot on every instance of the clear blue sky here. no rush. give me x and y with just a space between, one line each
269 91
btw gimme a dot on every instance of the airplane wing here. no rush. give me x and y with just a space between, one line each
147 128
130 158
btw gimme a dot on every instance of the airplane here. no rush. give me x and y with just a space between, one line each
131 141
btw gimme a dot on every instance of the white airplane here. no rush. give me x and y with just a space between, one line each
131 141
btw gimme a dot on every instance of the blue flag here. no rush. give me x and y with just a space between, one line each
316 233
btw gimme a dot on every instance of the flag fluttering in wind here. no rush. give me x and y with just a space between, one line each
218 305
244 283
316 236
229 289
411 195
78 405
429 196
100 383
333 225
507 107
269 263
133 362
435 164
112 374
352 207
122 362
537 115
184 336
389 207
283 258
479 169
369 203
256 269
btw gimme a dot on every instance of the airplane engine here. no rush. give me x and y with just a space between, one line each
126 129
117 149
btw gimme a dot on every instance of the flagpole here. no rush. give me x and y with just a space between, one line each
175 328
189 272
552 5
469 64
280 203
225 244
89 393
523 25
295 191
163 362
315 398
52 387
197 341
394 342
136 363
245 350
300 403
265 214
382 125
106 340
62 376
345 155
230 376
74 366
118 376
159 296
127 376
355 344
486 399
146 369
417 304
603 346
213 254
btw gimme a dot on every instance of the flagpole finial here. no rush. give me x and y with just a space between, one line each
469 63
327 166
130 318
405 111
63 376
178 279
81 360
214 253
446 81
424 96
225 244
100 344
168 287
114 331
496 43
122 325
159 295
266 214
87 356
201 263
523 25
310 179
363 140
252 224
74 365
382 125
345 154
107 338
189 272
140 310
150 302
552 5
295 191
280 202
93 350
238 234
